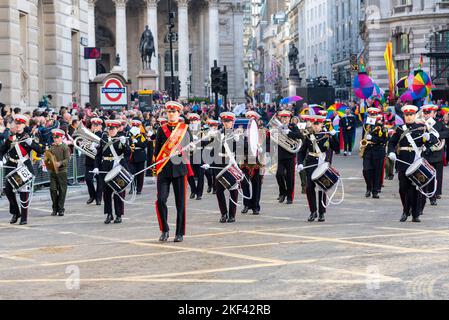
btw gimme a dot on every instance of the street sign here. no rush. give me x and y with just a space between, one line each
113 95
145 100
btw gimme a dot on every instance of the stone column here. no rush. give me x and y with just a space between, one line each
152 23
183 48
238 86
214 53
120 35
91 36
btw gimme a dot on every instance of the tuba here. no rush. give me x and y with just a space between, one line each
84 139
278 137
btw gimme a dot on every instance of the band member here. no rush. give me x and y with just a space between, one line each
390 125
313 153
58 176
225 143
138 157
285 174
112 152
434 154
405 145
373 153
196 181
252 168
95 193
209 173
17 149
171 138
348 125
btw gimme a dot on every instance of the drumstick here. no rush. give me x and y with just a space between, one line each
399 160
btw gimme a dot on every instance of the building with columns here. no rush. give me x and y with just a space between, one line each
43 42
206 30
416 28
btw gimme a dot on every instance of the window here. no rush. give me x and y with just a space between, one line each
402 43
403 68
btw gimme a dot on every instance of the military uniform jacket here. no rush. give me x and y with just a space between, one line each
140 153
307 153
8 150
294 133
104 159
175 167
436 156
398 141
220 158
378 142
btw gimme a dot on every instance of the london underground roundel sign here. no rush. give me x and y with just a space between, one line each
113 93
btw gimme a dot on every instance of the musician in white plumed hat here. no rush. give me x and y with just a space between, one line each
405 146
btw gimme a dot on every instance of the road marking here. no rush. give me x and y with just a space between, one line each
236 281
338 240
440 232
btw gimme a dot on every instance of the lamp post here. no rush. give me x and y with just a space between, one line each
171 25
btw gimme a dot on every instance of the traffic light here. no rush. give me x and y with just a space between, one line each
215 79
92 53
224 83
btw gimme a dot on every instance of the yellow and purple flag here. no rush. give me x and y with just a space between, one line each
388 56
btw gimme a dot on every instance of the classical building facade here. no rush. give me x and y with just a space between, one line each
416 28
40 51
43 45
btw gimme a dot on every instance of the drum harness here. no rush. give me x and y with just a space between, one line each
407 134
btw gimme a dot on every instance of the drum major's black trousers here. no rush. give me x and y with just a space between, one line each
285 177
14 206
163 191
210 176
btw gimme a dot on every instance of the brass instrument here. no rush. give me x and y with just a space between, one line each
275 127
84 139
364 142
50 161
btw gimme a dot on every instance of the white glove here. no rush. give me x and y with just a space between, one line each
236 138
95 171
29 141
426 136
1 164
392 156
205 166
299 167
285 131
123 140
93 146
332 132
134 140
150 133
369 137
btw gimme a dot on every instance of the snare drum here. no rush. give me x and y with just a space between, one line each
325 176
230 176
118 179
20 178
421 173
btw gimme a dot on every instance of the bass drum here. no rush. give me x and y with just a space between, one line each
118 179
325 176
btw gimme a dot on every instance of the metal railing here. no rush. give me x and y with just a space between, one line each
76 170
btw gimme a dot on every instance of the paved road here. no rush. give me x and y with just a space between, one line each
360 252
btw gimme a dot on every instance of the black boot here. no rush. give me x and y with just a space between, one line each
312 217
433 202
118 219
416 219
61 213
179 238
90 200
368 194
231 220
209 189
289 201
192 196
256 212
404 217
14 219
164 237
245 209
282 199
23 222
375 195
321 218
54 213
109 219
224 218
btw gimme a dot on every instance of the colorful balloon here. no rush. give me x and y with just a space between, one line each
420 83
363 86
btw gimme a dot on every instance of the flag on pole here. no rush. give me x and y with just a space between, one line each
388 56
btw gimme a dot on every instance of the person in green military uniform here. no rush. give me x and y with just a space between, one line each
58 174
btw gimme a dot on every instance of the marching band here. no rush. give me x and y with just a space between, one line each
230 154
